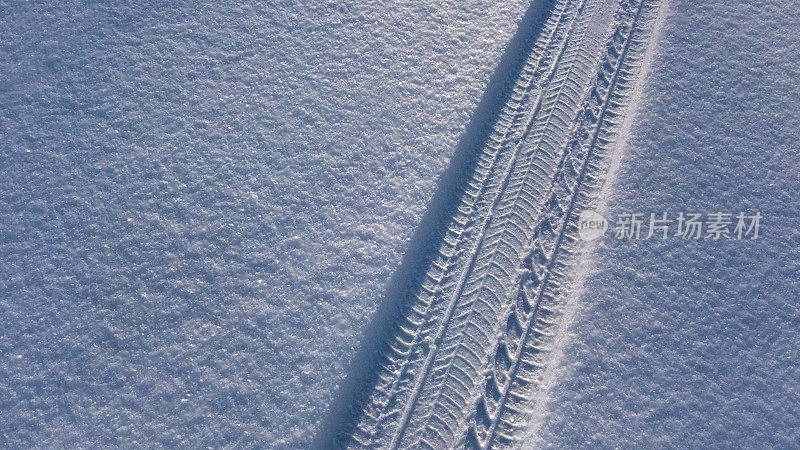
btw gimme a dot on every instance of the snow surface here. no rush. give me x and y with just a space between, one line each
695 344
201 204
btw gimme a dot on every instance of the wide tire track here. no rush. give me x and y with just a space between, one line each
464 362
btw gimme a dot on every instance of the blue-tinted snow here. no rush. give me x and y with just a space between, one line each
201 204
695 344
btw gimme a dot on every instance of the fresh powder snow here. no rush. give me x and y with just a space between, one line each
694 343
201 204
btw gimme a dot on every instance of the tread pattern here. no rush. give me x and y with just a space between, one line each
465 361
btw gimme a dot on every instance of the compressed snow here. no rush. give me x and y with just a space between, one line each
202 203
695 343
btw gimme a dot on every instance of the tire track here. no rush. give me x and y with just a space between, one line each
416 327
463 362
610 94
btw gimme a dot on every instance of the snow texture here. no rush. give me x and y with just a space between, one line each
201 204
680 344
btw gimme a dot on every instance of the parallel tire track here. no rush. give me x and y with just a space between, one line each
464 363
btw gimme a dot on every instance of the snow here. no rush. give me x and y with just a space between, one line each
202 204
694 344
